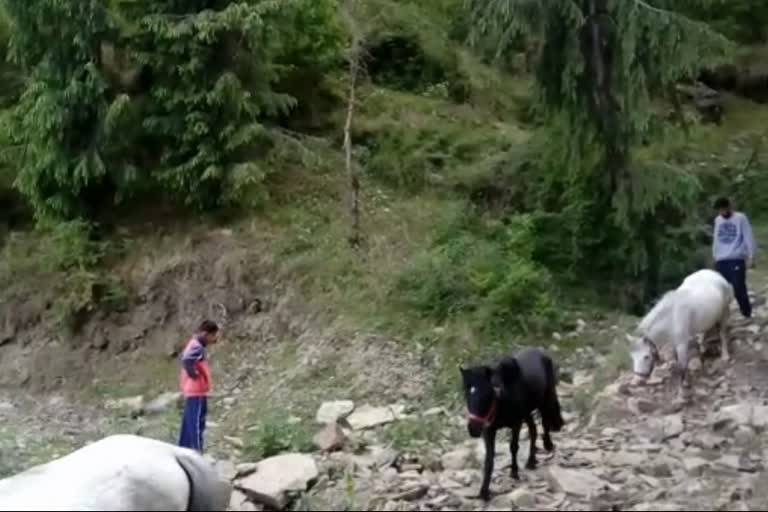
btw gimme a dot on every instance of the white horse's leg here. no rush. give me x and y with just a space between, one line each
681 355
724 352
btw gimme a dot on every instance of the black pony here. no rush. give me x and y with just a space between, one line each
506 396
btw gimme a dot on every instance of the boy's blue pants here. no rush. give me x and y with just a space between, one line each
193 422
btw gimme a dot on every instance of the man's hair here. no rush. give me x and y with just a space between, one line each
208 327
722 202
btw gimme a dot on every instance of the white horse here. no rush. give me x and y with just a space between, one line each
695 307
121 472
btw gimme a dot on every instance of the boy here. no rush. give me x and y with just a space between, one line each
195 385
733 249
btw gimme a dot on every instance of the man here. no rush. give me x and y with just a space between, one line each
195 385
733 248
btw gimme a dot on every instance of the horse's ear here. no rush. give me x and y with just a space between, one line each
629 337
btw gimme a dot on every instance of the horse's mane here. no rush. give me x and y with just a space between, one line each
661 308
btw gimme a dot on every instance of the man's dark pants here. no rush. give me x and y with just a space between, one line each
735 272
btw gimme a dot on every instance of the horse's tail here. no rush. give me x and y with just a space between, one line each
207 491
551 415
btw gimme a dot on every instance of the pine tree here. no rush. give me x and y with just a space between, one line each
601 65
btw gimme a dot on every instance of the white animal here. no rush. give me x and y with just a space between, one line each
121 472
695 307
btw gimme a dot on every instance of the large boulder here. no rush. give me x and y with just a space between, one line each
277 476
368 417
332 412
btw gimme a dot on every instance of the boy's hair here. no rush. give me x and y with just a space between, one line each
722 202
208 327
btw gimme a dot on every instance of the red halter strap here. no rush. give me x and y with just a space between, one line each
487 419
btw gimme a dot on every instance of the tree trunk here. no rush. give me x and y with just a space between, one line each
355 238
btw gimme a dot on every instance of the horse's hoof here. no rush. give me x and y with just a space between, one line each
531 464
726 357
549 445
485 495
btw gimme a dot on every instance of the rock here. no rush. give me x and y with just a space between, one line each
694 364
226 469
330 438
332 412
640 406
737 463
581 483
708 441
245 469
665 507
457 459
743 435
741 414
276 476
618 459
164 402
135 404
666 428
368 417
415 493
523 499
234 441
239 501
99 341
695 466
737 414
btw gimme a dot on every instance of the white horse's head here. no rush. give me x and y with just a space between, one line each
644 355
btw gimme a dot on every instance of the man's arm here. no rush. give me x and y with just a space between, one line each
749 238
192 356
714 239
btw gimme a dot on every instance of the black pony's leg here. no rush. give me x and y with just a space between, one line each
548 444
489 436
531 464
514 444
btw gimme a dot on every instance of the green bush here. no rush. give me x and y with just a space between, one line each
273 435
484 271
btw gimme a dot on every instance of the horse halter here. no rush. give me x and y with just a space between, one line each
656 359
484 420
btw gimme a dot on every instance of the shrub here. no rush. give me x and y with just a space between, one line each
486 272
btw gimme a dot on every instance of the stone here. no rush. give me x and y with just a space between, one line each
164 402
234 441
618 459
659 506
226 469
743 435
332 412
694 364
134 404
239 501
741 414
99 341
330 438
416 492
367 417
276 476
523 499
666 428
640 406
457 459
695 466
246 468
581 483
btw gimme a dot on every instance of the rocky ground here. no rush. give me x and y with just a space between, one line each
638 448
626 446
